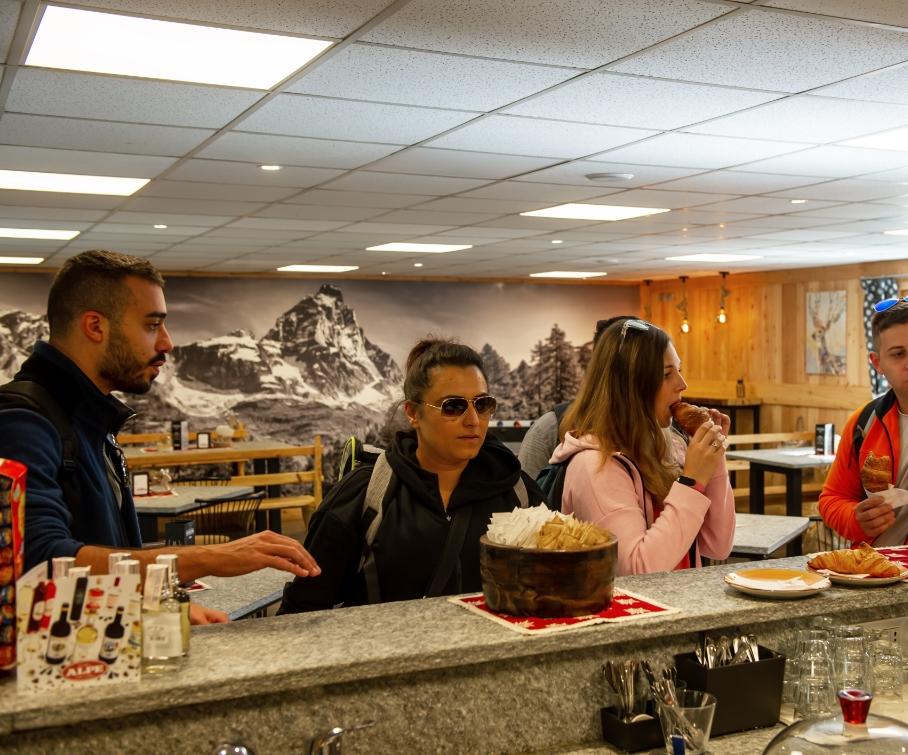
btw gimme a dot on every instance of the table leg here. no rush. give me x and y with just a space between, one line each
274 491
793 496
757 472
756 418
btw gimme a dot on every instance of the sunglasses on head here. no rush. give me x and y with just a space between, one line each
455 406
632 324
888 303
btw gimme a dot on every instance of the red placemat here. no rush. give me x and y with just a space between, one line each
626 606
897 553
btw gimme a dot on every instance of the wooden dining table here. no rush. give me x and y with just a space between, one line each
240 451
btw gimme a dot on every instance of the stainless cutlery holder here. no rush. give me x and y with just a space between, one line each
631 736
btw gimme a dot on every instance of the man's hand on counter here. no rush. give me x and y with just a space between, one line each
263 549
202 615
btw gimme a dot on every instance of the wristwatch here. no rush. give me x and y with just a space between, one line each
689 481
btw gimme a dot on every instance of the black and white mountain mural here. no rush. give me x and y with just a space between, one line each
296 358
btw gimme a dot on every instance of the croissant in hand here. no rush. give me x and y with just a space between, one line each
689 417
862 560
876 473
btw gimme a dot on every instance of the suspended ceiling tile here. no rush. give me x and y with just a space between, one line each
450 219
75 161
879 11
398 183
530 136
410 77
806 235
163 235
638 102
460 164
320 117
582 33
54 199
847 190
294 150
809 119
214 191
753 48
521 191
666 199
495 231
194 207
760 205
404 230
9 14
320 212
890 85
327 198
899 175
221 171
697 152
738 182
831 162
794 220
152 218
30 214
857 210
102 136
81 95
282 224
330 18
467 204
575 173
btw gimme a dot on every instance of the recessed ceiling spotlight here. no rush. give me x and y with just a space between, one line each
82 40
317 268
721 225
714 258
609 176
160 226
270 167
566 274
383 272
37 233
575 211
21 260
417 264
426 248
684 230
799 201
70 183
557 241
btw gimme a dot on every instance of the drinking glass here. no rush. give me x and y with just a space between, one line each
815 692
691 720
888 666
852 663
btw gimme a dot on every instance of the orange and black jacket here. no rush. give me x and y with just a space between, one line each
842 490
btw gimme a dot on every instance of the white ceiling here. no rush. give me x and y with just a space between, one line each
442 120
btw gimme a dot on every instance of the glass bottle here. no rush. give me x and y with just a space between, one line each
179 592
113 639
37 613
60 637
162 641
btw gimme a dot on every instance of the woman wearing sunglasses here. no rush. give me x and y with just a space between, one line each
447 479
667 499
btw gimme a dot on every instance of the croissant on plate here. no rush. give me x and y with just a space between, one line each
876 473
689 417
861 560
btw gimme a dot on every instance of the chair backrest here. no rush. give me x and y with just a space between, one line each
312 476
228 519
821 537
202 482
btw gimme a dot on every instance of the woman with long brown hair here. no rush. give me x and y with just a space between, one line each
668 500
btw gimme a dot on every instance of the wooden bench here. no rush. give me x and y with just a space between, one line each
773 439
152 439
271 482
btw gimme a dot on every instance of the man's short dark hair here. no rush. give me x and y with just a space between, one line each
895 315
93 280
602 325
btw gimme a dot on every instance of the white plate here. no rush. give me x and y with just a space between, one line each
777 583
853 581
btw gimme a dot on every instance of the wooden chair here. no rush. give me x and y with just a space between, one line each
271 482
226 520
202 482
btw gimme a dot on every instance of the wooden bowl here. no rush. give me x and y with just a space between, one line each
547 583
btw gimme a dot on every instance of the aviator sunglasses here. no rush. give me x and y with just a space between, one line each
455 406
888 303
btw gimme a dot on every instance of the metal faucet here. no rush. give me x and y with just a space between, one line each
329 742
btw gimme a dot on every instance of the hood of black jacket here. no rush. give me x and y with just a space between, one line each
493 471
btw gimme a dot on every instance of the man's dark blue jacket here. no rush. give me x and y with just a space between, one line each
28 437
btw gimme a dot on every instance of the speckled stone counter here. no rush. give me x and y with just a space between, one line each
434 677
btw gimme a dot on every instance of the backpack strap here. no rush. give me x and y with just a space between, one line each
379 482
28 394
520 490
450 555
872 411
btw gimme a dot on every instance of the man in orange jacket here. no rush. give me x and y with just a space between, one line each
881 427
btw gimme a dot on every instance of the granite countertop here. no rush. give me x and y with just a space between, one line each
240 596
284 653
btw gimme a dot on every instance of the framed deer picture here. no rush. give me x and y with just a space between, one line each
825 341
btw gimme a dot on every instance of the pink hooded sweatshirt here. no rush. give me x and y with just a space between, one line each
610 497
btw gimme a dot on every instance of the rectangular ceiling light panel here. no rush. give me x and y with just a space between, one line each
82 40
574 211
424 248
317 268
21 260
37 233
566 274
714 258
70 183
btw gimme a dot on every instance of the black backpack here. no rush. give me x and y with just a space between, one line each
28 394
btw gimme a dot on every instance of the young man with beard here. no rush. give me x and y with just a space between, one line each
106 314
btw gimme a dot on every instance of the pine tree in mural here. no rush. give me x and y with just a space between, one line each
498 372
555 372
521 403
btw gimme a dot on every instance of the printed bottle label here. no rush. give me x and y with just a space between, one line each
161 635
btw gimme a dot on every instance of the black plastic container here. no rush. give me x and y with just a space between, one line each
632 736
748 695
